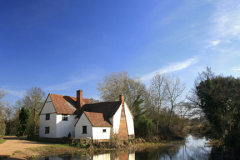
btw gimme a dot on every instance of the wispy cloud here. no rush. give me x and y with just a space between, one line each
226 22
213 43
15 93
236 69
66 85
171 68
74 81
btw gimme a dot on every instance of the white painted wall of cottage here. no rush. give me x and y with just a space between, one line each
83 121
116 120
99 134
64 127
48 107
129 119
48 123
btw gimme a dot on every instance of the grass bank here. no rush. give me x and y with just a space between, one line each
34 153
1 139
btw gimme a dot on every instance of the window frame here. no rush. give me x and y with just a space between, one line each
104 130
64 117
47 117
84 129
47 129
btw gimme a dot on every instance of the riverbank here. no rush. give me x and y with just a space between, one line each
54 149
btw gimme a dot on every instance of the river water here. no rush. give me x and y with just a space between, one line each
193 147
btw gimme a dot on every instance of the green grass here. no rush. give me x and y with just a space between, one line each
33 157
2 141
17 152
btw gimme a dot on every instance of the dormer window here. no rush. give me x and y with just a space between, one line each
64 117
47 117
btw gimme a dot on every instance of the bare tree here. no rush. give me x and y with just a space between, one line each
120 83
34 99
158 94
92 100
2 116
185 111
174 92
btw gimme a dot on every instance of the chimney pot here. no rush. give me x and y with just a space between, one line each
121 99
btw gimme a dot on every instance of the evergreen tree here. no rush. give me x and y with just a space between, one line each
24 121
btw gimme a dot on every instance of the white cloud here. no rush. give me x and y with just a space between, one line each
236 69
18 94
226 22
72 82
171 68
213 43
66 85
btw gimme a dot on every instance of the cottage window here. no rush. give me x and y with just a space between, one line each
47 130
65 117
104 130
84 128
47 116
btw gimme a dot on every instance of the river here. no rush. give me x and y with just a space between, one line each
194 147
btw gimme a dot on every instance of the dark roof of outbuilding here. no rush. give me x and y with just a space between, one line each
106 108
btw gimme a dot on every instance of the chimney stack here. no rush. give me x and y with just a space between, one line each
79 99
121 99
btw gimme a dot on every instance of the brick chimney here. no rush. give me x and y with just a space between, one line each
79 99
121 99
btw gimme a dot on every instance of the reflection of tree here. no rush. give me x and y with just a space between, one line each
151 155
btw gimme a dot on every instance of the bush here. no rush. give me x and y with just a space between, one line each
232 140
145 127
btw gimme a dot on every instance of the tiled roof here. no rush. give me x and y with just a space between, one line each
66 104
98 119
106 108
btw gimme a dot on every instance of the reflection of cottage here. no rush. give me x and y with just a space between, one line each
105 156
63 114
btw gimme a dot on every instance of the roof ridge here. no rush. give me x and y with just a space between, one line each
64 95
105 102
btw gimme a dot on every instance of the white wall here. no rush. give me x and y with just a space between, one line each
48 123
99 134
48 107
129 119
116 120
83 121
64 127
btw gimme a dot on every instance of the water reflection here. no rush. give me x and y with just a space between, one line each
105 156
193 148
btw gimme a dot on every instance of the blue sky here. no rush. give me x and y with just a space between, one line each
63 46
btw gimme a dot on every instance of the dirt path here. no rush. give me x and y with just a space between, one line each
14 143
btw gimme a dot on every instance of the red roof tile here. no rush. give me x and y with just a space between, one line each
98 119
66 104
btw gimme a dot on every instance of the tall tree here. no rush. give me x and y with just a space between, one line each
34 99
120 83
158 94
24 121
174 92
220 101
2 103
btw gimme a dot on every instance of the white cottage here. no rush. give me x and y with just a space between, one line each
62 115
